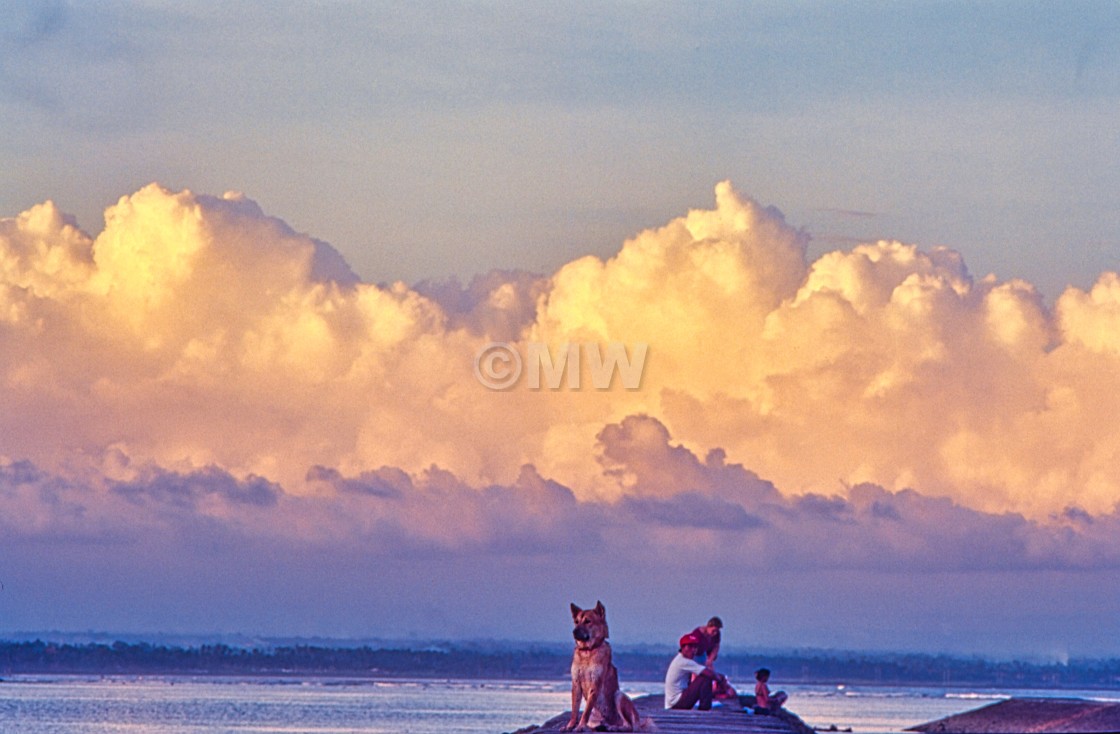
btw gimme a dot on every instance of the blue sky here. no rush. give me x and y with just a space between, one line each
450 139
248 402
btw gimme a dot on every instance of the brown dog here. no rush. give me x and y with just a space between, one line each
594 677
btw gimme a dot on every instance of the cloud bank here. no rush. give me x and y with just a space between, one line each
200 381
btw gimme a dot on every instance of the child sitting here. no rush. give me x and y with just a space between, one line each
764 701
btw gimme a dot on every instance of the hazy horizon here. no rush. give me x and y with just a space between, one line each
481 644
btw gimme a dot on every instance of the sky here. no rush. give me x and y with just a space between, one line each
286 290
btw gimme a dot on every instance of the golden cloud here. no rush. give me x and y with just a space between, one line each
196 331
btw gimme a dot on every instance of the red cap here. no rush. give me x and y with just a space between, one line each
689 639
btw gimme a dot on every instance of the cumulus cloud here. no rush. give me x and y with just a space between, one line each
200 371
724 512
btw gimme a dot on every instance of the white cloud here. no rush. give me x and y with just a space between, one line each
196 331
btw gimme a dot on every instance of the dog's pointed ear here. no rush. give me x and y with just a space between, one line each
600 609
575 610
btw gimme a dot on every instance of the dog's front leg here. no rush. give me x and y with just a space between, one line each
577 695
591 700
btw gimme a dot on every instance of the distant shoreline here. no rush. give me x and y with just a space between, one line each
481 661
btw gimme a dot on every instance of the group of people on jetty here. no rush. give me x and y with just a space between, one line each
692 680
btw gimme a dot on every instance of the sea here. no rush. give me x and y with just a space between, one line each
57 704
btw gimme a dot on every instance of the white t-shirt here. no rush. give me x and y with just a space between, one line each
678 677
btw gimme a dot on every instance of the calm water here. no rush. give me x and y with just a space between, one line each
181 705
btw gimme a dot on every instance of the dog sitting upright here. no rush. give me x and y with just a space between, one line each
594 677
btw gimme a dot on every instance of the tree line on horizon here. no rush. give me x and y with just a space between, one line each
124 658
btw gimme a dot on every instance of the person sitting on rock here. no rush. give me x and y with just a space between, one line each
766 702
687 682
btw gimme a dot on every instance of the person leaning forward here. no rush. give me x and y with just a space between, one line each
687 682
709 636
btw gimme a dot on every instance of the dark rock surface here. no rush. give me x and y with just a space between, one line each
1028 715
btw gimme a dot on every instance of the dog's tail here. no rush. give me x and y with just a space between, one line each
630 715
